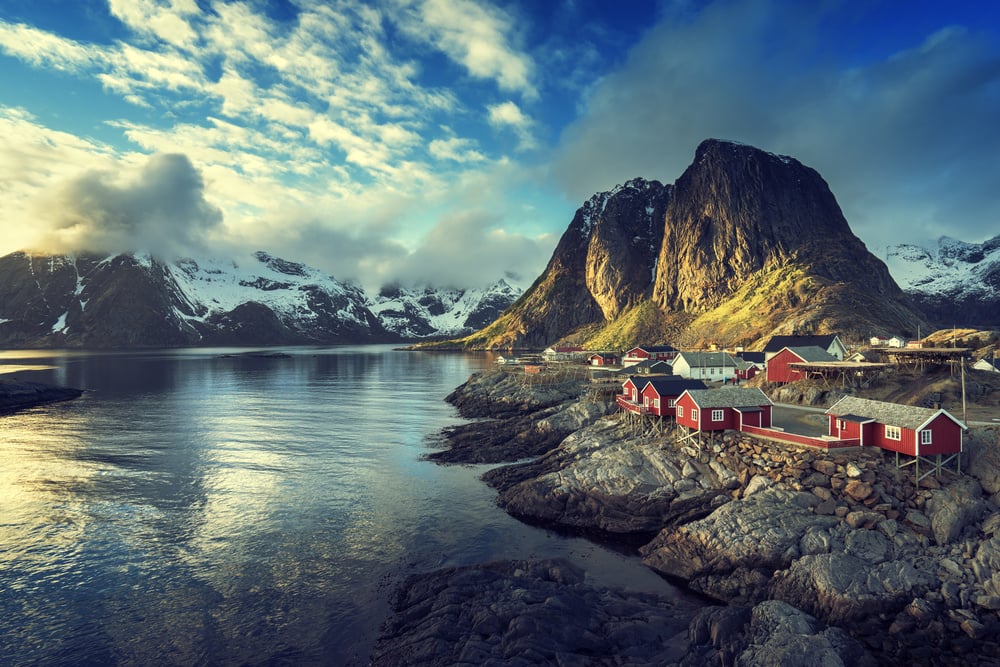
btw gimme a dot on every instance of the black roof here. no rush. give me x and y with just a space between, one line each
674 386
753 357
778 343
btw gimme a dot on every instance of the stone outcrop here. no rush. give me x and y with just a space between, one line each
843 538
544 612
19 394
599 480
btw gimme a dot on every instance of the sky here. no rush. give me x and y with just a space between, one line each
449 142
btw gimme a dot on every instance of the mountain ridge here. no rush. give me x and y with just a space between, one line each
135 300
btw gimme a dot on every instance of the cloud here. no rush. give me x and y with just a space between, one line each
479 38
908 141
509 115
471 248
456 149
161 210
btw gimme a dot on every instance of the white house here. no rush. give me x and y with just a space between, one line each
716 366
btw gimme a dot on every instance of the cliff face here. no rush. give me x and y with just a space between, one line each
745 245
602 266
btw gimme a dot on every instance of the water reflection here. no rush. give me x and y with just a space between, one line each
212 507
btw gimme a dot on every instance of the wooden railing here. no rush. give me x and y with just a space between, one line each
625 404
824 442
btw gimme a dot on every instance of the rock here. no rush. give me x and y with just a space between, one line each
853 471
18 394
974 629
858 490
822 493
991 526
757 483
825 467
784 635
525 612
983 462
596 480
841 588
863 519
867 545
952 509
761 531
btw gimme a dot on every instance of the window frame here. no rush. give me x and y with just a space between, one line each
929 439
718 415
894 433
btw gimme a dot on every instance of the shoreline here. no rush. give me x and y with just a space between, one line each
843 543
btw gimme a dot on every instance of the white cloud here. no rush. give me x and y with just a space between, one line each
509 115
164 20
456 149
478 37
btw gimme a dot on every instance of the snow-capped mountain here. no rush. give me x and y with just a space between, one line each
134 300
423 312
954 282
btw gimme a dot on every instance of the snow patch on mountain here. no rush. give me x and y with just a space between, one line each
426 311
951 269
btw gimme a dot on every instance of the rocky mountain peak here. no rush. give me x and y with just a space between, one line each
744 245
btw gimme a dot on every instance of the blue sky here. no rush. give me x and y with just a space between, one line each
450 141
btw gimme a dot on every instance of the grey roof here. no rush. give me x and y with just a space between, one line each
893 414
729 397
778 343
811 353
706 359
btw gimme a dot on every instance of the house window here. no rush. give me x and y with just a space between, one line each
680 410
672 402
925 437
694 415
718 415
892 432
656 403
841 424
645 401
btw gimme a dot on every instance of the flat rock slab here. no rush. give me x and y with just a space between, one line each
528 613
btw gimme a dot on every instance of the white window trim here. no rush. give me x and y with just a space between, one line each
694 415
680 410
718 415
926 437
672 403
893 433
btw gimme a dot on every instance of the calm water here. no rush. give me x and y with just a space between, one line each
194 508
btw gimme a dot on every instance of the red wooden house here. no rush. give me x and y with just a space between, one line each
632 386
660 394
778 366
906 429
723 408
654 352
602 359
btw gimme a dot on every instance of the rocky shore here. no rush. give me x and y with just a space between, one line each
19 394
814 557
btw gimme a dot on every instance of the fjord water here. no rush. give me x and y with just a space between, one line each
213 507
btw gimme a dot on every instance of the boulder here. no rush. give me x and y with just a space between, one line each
762 531
951 509
840 587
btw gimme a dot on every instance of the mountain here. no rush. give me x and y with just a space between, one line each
955 282
744 245
427 311
134 300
